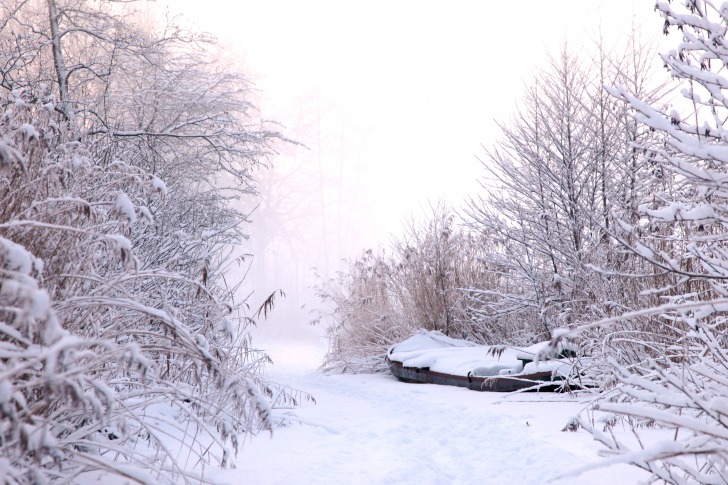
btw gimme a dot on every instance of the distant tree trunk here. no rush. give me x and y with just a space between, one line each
59 63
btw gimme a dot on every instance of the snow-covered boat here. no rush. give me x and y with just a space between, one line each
433 358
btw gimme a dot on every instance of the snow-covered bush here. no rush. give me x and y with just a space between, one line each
560 169
680 231
424 283
91 338
121 341
686 392
361 317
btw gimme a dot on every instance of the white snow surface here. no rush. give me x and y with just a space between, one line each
125 207
373 429
439 353
158 185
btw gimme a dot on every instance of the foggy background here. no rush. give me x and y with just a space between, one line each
392 102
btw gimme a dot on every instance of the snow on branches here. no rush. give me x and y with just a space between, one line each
85 345
121 346
681 230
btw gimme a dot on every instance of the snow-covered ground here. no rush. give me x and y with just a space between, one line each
373 429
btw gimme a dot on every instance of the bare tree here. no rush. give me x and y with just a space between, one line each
679 229
546 203
121 149
564 166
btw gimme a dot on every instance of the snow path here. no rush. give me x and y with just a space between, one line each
368 429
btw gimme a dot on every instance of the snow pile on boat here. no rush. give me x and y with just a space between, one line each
437 352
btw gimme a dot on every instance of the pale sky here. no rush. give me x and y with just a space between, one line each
395 98
414 86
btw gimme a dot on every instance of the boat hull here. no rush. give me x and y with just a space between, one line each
540 381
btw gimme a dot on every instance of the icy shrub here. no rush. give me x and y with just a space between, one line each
109 359
425 283
680 230
688 393
364 320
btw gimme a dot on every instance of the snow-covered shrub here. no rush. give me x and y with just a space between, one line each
560 169
104 352
122 146
362 317
424 283
680 231
687 392
437 266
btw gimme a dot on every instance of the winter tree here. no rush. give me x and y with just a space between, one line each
115 237
546 187
553 181
680 230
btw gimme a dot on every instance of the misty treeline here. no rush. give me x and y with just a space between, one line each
124 142
602 219
536 250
